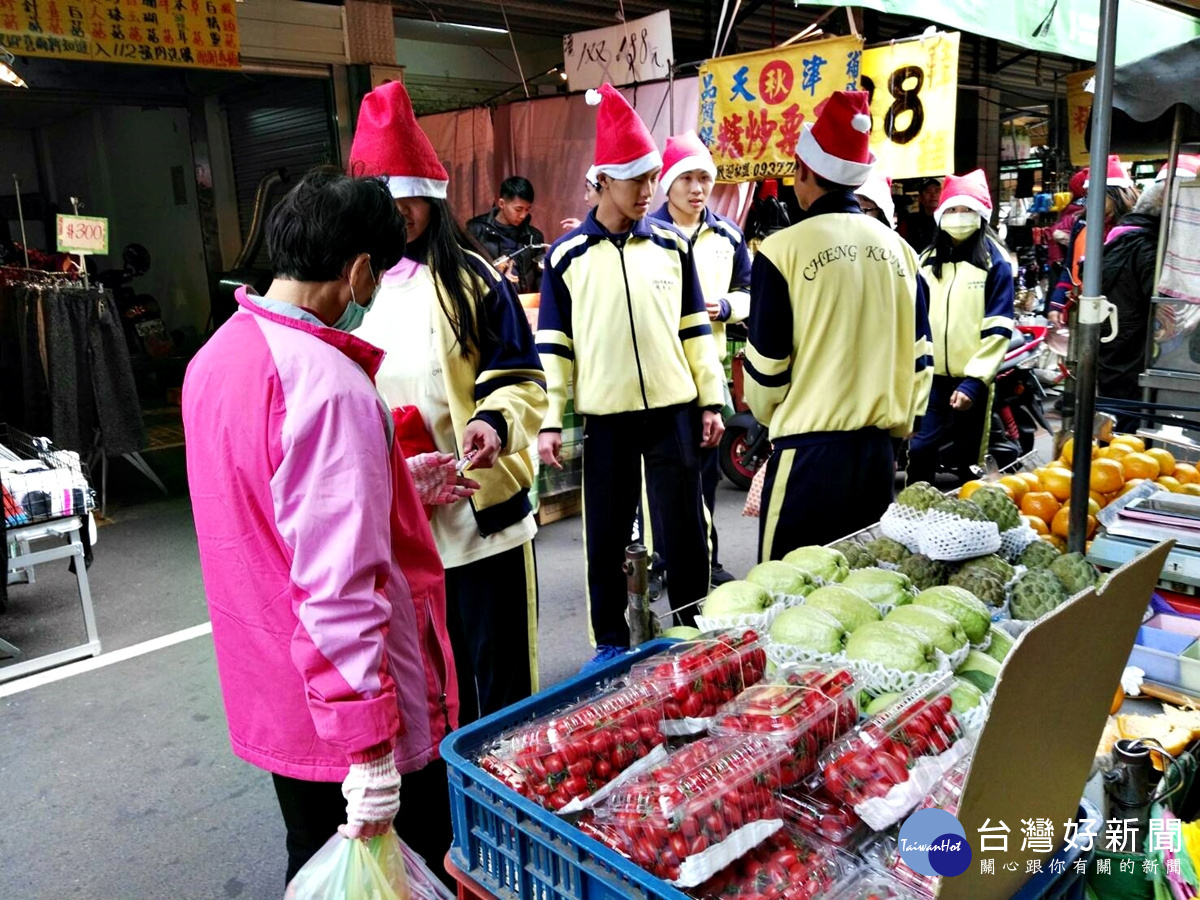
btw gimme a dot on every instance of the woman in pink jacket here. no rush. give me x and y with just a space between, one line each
325 589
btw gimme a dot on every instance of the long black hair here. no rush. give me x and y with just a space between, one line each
445 245
974 249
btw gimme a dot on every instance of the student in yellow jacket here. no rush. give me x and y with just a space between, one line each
622 319
461 361
722 266
838 357
971 318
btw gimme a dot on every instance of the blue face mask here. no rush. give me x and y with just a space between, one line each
352 316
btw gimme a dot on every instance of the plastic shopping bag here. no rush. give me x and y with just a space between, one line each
379 868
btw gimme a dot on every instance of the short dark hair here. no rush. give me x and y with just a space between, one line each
829 186
328 219
515 187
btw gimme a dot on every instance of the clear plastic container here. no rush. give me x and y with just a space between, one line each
884 768
709 803
821 815
696 677
947 793
789 865
807 715
884 855
562 760
867 884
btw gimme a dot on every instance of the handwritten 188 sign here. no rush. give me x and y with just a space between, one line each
753 105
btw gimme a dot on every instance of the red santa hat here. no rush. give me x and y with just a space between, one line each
592 177
390 144
685 153
837 147
624 146
970 190
1078 183
1186 166
1115 176
878 188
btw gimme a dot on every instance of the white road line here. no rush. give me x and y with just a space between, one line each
105 659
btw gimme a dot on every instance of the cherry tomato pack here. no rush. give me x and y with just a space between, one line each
789 865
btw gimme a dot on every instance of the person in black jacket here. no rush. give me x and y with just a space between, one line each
1127 280
514 246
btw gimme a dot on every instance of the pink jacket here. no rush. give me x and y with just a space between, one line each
324 585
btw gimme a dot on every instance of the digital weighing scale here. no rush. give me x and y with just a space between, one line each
1137 526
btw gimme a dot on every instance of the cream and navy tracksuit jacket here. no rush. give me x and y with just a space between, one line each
971 318
837 363
723 267
623 323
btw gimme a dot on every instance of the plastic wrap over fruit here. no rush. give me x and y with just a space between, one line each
789 865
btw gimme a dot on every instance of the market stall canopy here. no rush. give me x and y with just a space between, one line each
1145 96
1066 27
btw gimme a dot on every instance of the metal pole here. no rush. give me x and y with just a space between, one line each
1092 307
21 217
637 586
671 95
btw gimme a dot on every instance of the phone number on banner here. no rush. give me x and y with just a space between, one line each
745 171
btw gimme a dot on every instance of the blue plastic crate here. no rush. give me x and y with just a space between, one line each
513 847
1070 885
518 851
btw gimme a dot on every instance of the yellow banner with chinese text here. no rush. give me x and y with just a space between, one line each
1079 117
913 87
200 34
752 105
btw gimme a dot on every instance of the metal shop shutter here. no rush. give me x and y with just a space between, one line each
286 124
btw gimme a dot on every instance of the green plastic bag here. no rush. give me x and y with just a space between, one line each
379 868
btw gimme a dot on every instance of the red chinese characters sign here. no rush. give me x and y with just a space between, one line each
752 106
191 33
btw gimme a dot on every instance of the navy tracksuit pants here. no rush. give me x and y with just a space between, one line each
941 423
668 440
824 486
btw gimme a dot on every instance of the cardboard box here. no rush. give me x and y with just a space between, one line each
1048 712
553 507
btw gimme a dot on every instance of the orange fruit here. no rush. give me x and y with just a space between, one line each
1061 525
1129 486
1068 451
1017 486
970 487
1140 465
1186 473
1192 490
1040 505
1115 451
1055 541
1031 478
1036 524
1166 460
1057 482
1107 475
1171 484
1118 699
1130 440
1109 498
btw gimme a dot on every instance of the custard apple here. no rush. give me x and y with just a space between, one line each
1074 572
982 583
998 507
920 496
857 555
924 572
1039 555
889 551
992 564
1035 593
964 509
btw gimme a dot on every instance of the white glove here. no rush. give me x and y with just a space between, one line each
436 478
372 792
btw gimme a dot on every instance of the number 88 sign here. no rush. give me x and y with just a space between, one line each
913 87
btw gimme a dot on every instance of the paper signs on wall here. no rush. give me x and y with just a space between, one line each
625 53
913 87
752 105
200 34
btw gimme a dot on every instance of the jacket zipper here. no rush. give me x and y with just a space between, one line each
946 329
439 674
632 329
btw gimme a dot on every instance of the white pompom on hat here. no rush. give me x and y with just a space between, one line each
624 145
838 146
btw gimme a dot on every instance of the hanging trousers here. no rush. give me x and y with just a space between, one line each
822 487
966 429
668 440
492 618
313 810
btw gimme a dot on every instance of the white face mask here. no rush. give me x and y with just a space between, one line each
961 226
